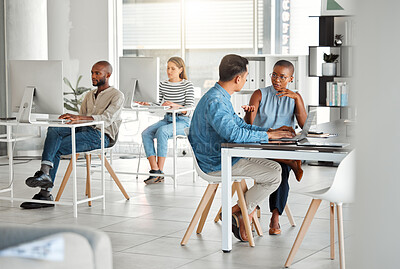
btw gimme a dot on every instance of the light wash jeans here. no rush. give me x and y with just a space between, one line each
162 131
58 142
266 174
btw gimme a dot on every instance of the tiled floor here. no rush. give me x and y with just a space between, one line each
146 230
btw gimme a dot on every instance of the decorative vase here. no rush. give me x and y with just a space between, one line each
338 42
329 69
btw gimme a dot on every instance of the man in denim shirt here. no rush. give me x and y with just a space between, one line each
214 122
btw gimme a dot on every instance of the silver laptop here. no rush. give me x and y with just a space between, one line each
304 132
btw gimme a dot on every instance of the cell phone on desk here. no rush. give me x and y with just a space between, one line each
315 132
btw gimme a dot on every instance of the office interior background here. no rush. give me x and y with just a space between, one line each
81 32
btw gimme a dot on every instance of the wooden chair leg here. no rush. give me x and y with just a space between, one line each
290 216
65 179
258 212
205 213
303 230
211 188
332 225
115 178
257 225
88 166
245 214
339 210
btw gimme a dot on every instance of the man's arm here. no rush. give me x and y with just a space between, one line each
225 124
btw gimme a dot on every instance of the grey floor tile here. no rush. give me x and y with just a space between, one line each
170 247
147 226
123 241
124 260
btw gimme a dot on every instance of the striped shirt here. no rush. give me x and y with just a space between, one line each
181 93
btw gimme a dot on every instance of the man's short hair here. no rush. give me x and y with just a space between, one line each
106 64
286 64
231 66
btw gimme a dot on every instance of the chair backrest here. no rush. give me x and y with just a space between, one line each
343 186
198 169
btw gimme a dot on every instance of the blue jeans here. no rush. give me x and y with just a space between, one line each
58 142
162 130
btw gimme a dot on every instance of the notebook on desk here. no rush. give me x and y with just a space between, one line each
304 132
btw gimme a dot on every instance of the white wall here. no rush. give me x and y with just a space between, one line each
377 214
26 29
79 35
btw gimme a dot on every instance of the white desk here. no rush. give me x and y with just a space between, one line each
9 139
174 112
271 151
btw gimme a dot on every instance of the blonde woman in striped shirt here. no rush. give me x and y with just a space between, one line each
177 91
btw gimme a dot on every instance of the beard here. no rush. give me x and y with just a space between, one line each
99 82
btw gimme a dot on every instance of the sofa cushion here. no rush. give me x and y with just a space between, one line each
77 254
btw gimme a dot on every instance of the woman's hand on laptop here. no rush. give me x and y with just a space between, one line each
171 104
143 103
282 132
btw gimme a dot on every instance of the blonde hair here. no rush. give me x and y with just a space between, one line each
178 61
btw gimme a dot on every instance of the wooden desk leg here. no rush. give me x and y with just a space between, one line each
303 230
332 225
339 209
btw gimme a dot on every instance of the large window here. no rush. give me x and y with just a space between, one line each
203 31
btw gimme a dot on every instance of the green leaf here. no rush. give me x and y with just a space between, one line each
81 90
74 102
77 82
66 93
70 108
66 81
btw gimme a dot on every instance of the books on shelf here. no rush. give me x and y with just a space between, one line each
336 93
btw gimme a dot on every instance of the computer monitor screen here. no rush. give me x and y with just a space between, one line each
146 72
47 79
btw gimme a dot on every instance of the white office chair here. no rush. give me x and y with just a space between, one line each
88 156
206 201
341 191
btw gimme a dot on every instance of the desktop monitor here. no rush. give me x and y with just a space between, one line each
36 86
139 79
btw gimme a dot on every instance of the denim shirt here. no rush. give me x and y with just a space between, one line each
214 122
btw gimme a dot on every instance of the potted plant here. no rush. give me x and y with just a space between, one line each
329 67
338 40
74 103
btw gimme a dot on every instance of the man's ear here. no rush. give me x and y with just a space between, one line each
237 79
108 74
